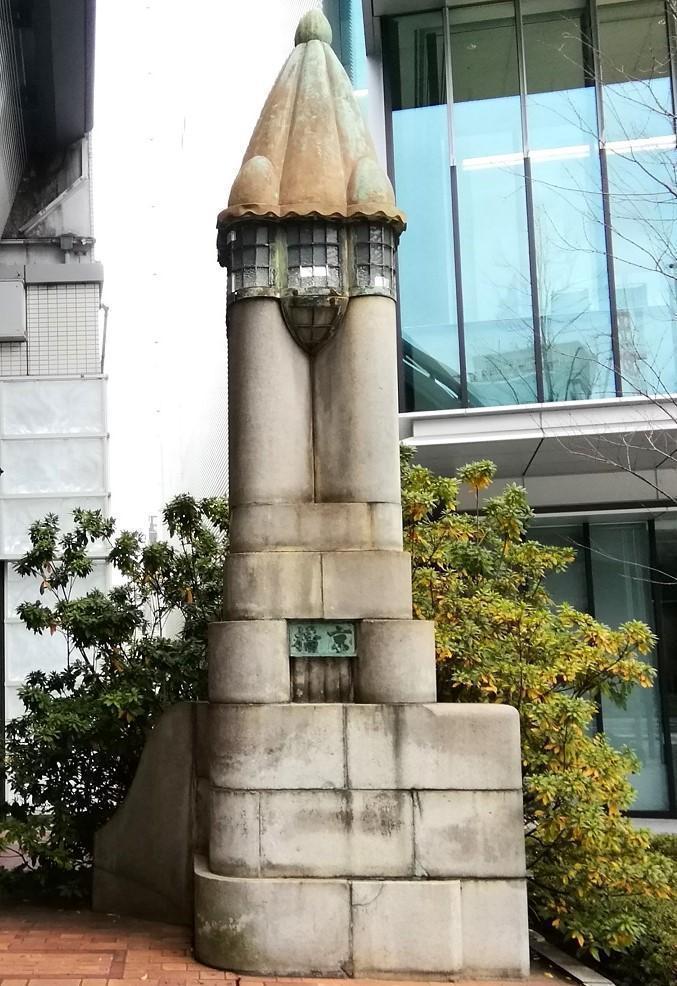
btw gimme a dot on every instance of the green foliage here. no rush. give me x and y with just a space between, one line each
501 638
666 845
597 881
70 758
652 960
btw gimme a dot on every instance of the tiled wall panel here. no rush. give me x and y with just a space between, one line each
63 329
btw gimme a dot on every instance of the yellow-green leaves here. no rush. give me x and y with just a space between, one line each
500 638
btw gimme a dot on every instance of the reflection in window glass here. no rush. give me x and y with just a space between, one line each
415 46
619 589
641 158
644 225
635 66
620 571
426 263
569 586
568 208
498 321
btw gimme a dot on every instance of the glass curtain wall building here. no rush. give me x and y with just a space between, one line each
532 146
533 150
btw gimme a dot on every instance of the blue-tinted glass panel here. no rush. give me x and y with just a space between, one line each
426 280
635 66
348 24
498 319
426 283
568 207
644 233
640 146
622 591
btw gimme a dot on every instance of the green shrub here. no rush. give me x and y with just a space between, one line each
501 638
71 757
666 845
594 879
652 960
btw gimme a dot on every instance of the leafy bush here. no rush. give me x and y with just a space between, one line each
666 845
70 758
501 638
594 879
652 960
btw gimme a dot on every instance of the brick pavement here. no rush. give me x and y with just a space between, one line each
50 947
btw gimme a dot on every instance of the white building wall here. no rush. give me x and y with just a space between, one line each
170 163
53 450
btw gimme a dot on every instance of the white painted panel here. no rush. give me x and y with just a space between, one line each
53 407
12 311
13 705
26 651
19 590
16 516
53 465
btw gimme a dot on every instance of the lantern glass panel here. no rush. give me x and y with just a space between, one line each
374 252
313 256
248 257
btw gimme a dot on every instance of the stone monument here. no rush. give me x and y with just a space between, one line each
356 827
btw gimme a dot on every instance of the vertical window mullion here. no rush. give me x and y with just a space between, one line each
528 191
671 21
391 68
662 666
606 203
453 178
590 589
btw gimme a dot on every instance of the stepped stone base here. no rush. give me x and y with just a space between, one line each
334 928
364 840
345 840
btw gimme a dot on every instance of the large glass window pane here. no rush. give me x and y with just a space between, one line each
427 289
644 233
568 207
415 48
635 66
492 206
569 586
640 143
622 591
666 551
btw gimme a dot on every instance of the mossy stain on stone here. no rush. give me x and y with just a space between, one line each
225 946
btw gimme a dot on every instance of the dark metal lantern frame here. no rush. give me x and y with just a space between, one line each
313 266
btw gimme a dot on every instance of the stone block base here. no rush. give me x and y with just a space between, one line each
336 928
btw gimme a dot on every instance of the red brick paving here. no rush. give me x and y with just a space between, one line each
43 947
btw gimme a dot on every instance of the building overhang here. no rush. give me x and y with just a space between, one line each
625 447
56 40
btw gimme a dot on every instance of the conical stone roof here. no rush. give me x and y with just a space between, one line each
311 153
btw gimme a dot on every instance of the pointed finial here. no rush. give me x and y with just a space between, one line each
313 26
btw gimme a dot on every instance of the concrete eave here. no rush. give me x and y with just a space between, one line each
547 439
